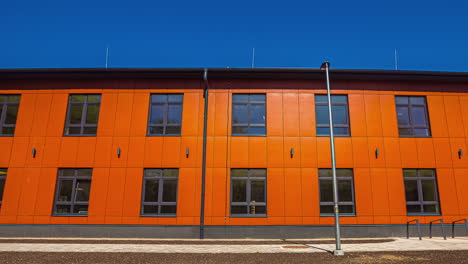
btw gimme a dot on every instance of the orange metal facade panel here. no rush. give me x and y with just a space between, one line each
306 115
26 115
257 152
442 152
239 153
310 197
344 152
45 192
357 115
86 151
461 181
464 112
274 113
6 144
41 113
107 114
27 199
19 152
389 116
409 153
391 152
191 113
397 201
447 192
380 199
360 152
132 192
139 117
363 192
308 152
58 112
123 114
275 152
12 192
292 152
98 194
291 114
437 117
323 152
293 194
276 191
373 115
115 194
454 118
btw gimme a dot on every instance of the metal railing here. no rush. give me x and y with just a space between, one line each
441 226
418 227
456 221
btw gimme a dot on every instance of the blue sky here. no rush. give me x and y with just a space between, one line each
429 35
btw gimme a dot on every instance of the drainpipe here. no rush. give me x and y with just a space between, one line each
203 175
338 251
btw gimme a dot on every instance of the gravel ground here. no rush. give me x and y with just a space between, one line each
352 258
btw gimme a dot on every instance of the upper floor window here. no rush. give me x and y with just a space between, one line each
165 116
340 115
421 191
3 174
248 114
412 116
9 105
160 192
72 192
345 183
248 192
82 115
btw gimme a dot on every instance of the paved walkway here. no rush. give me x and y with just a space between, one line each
400 244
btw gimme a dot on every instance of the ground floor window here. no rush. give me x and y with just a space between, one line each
72 191
3 173
248 192
345 183
421 191
160 192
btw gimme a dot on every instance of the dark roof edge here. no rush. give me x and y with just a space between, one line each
229 73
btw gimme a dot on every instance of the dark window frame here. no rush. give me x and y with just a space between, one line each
248 203
421 201
411 124
328 203
164 125
160 202
84 112
3 113
72 201
3 178
248 103
317 126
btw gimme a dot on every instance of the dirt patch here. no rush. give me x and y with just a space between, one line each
387 258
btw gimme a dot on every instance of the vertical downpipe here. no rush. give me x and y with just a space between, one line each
205 126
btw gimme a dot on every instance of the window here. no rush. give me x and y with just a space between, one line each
344 178
248 114
340 115
72 192
248 192
165 114
412 116
9 105
3 173
82 115
421 191
160 192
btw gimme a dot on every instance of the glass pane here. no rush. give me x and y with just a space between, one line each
65 192
257 114
403 115
257 209
73 130
89 130
409 173
171 173
63 209
321 99
257 98
417 100
153 173
326 209
2 187
75 113
172 130
419 116
8 130
236 209
429 190
158 98
257 191
169 191
345 192
175 98
150 209
13 98
426 173
157 114
82 190
239 191
346 209
239 114
174 115
413 208
3 98
257 131
326 191
257 173
321 114
94 98
159 130
401 100
67 172
421 132
92 114
240 98
340 131
340 115
151 190
411 190
405 131
431 208
344 172
3 172
85 172
325 173
11 113
342 99
168 209
240 130
80 209
78 98
239 172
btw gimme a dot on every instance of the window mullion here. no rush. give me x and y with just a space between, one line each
83 116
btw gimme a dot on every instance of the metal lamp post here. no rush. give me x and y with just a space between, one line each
338 251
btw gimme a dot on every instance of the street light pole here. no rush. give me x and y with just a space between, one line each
338 251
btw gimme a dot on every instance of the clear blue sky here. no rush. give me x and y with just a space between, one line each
429 35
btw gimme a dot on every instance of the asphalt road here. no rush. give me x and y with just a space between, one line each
436 257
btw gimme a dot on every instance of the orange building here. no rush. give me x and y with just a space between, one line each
119 152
